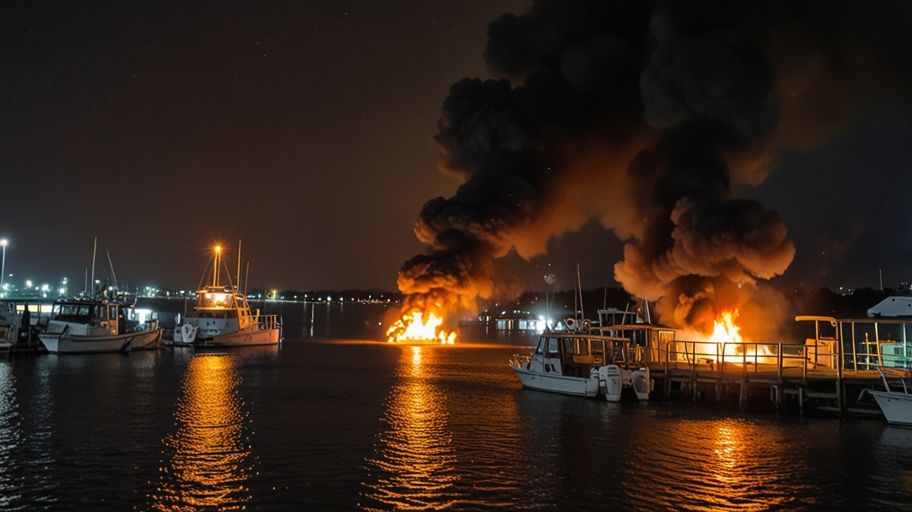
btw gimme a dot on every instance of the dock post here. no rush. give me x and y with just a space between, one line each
742 398
840 396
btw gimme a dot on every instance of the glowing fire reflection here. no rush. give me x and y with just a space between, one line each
209 453
415 464
418 326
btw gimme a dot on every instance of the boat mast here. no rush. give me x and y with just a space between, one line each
215 266
111 264
94 248
580 288
246 278
237 278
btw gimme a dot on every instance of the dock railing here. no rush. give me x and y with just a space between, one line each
744 358
836 346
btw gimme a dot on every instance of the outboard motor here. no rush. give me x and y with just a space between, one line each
641 382
610 380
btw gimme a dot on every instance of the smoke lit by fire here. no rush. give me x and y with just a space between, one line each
643 115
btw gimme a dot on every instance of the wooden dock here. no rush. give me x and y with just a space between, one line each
828 372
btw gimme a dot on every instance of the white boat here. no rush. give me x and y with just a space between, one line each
583 363
222 318
896 405
99 325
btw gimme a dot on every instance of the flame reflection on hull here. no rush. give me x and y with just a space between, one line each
210 450
414 470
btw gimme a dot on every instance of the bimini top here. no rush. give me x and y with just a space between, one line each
892 307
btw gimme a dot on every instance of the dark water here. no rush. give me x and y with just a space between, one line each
345 423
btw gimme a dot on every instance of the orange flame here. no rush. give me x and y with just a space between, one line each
418 326
725 330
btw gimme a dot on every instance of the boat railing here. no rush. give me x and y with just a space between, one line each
520 360
268 321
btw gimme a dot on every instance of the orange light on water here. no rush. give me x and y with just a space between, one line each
420 327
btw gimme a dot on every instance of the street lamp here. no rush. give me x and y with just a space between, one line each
3 265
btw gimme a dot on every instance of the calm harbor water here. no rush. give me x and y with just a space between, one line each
334 419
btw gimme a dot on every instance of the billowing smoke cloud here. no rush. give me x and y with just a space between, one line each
641 115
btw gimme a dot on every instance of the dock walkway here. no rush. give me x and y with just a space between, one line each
827 372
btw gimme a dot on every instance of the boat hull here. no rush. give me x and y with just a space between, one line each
243 338
75 344
554 383
897 407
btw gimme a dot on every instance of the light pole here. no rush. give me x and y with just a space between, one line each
3 265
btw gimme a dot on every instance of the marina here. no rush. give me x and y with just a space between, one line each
433 425
432 196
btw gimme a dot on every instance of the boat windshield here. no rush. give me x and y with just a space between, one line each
553 349
215 300
81 313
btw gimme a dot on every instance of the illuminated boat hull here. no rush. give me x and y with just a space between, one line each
896 406
242 338
555 383
75 344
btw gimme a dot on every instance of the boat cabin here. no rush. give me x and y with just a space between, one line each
575 354
99 317
218 302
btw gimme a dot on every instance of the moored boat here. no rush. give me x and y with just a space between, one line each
99 324
896 405
222 318
583 362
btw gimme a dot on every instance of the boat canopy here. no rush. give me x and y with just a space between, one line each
894 307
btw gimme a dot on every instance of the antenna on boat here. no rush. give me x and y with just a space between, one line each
246 278
110 264
238 275
579 287
647 318
231 287
94 248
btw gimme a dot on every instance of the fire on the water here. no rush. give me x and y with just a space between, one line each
420 326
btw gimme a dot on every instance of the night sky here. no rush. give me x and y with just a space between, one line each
306 130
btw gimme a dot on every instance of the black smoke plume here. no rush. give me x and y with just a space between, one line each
642 114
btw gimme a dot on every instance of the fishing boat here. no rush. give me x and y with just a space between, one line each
99 324
583 361
896 405
222 317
